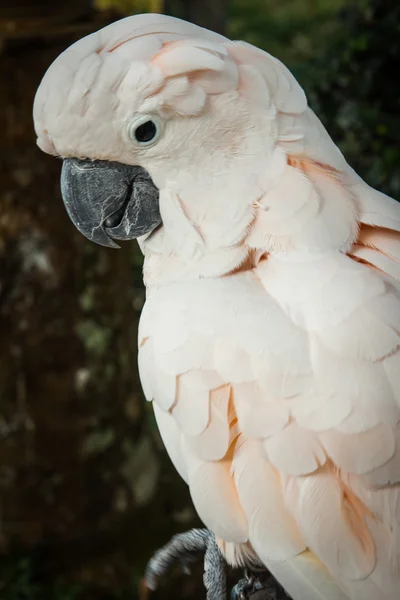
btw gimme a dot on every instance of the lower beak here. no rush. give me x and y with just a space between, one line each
109 200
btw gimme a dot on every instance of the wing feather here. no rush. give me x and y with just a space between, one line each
332 523
272 530
215 497
285 414
378 242
295 451
307 578
192 407
213 442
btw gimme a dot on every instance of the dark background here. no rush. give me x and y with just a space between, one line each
86 490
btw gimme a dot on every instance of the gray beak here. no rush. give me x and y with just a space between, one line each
109 200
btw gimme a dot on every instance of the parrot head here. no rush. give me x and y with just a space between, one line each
173 133
105 107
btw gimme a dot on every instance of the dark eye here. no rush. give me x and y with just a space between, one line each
146 132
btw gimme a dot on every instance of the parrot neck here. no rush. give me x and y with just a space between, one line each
307 211
203 233
163 267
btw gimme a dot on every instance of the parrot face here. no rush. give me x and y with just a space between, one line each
152 120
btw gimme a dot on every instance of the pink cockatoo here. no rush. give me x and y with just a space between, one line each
269 340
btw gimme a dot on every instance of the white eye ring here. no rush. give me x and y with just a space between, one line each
144 130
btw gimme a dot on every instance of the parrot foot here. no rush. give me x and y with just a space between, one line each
184 548
259 585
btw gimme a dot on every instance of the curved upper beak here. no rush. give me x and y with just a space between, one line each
109 200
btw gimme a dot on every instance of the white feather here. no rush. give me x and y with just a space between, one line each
215 498
273 533
213 442
304 577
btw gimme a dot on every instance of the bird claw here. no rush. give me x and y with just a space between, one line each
244 588
258 585
185 548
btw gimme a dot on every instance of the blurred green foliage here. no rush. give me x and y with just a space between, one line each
131 6
20 580
293 30
354 88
